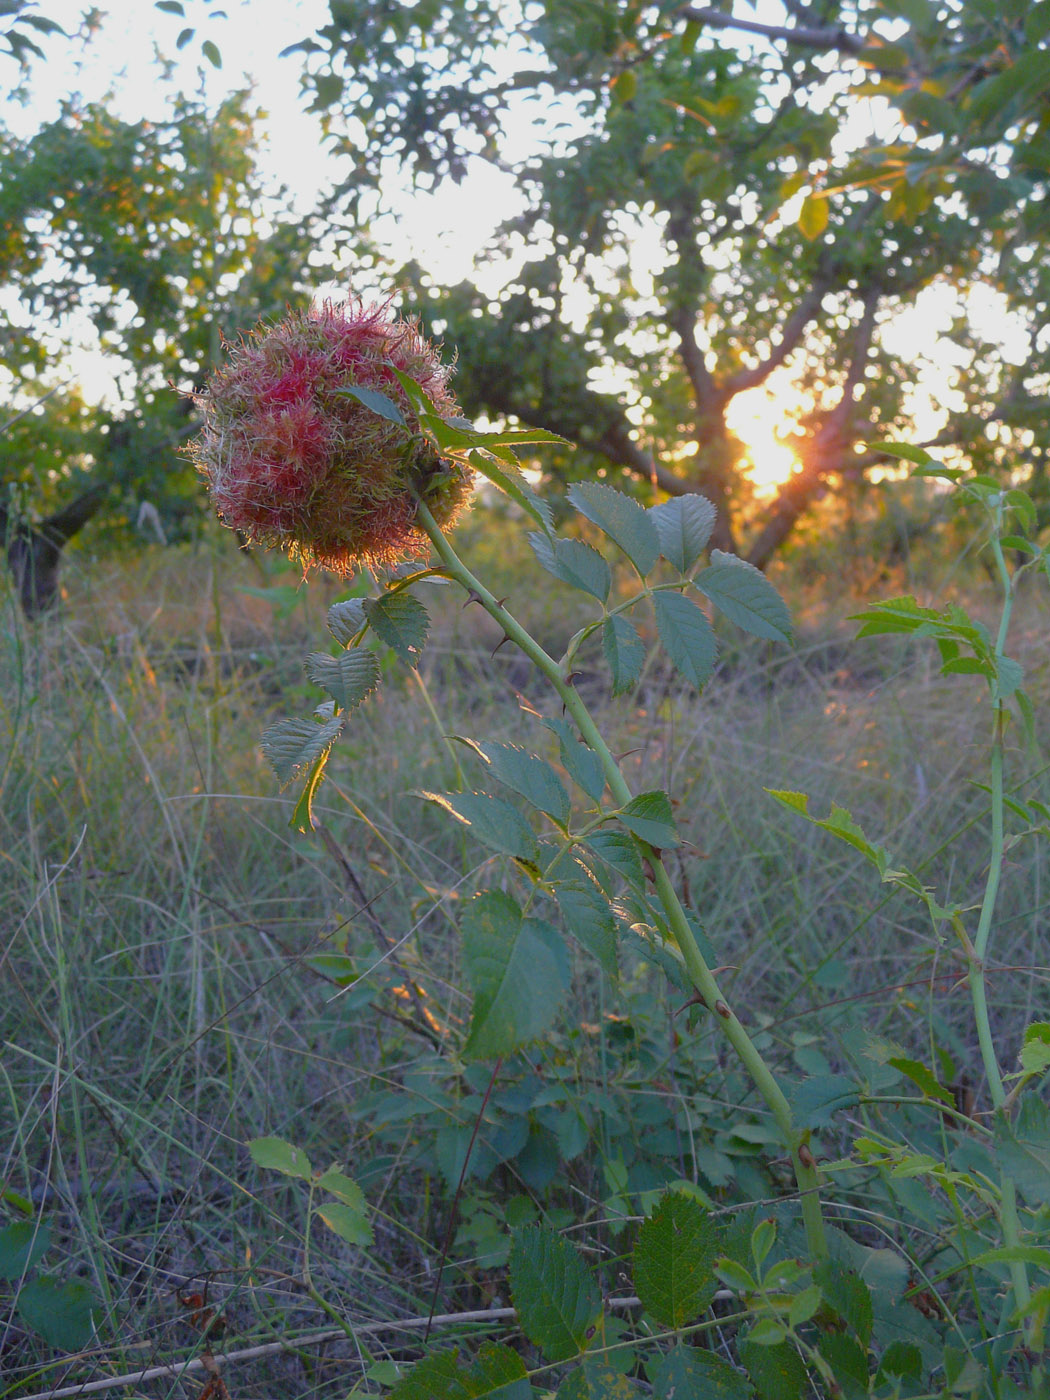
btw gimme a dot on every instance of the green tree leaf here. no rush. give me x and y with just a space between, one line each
518 970
556 1297
275 1154
495 823
650 818
624 651
349 1224
292 744
574 562
625 522
847 1293
685 1373
813 216
60 1312
674 1260
401 621
498 1373
526 774
348 678
21 1245
745 596
687 637
684 525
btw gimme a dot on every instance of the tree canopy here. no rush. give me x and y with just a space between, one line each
711 199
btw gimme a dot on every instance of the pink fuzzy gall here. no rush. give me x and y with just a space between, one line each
294 461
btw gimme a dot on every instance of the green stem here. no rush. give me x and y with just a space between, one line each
807 1176
1011 1226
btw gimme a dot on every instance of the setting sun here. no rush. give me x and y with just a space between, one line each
763 421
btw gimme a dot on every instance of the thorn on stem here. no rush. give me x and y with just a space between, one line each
721 1009
806 1158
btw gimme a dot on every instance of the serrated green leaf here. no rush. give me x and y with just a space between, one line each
401 621
624 652
1009 677
900 1360
674 1260
60 1312
518 970
344 1188
348 678
377 402
587 916
683 525
495 823
349 1224
526 774
649 946
1035 1051
21 1245
582 764
849 1364
275 1154
840 823
625 522
816 1100
596 1380
1023 1149
650 818
688 1374
777 1371
573 562
847 1293
497 1373
556 1297
687 637
745 596
292 744
345 619
804 1305
922 1077
619 851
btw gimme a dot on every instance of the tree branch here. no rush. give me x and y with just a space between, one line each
826 39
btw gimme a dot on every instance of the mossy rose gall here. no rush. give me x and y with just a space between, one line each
295 461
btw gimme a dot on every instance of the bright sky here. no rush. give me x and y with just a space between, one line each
443 231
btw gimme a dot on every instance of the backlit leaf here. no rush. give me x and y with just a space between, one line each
618 849
1035 1048
587 916
582 764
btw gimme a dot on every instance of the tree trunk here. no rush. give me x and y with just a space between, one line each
34 552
